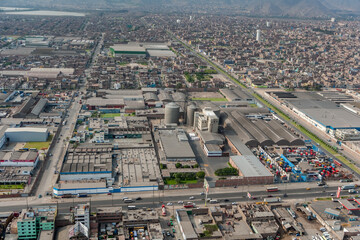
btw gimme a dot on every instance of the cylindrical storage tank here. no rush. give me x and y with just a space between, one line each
172 113
190 115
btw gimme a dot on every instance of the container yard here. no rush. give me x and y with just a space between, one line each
301 164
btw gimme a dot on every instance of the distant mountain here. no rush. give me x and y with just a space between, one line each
291 8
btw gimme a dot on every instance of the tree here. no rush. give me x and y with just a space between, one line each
196 165
178 165
200 174
178 175
178 180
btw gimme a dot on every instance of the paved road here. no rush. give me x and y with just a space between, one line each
54 162
156 198
58 151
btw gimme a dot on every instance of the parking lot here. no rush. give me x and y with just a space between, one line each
210 164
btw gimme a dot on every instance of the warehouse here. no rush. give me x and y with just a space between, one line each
128 50
161 53
139 169
38 108
251 169
96 103
284 133
274 136
234 129
87 163
252 129
19 159
24 109
27 134
322 113
175 146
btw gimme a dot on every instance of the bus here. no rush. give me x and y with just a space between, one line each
131 207
272 189
347 187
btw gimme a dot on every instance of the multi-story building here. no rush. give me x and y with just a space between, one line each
34 220
81 213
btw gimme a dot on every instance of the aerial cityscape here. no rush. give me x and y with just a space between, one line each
180 120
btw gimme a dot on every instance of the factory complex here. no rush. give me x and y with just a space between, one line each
151 139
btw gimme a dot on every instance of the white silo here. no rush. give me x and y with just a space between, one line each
258 35
190 115
172 113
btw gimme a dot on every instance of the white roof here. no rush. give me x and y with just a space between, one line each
27 129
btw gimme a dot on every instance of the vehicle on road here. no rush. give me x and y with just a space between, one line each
347 187
202 193
180 202
124 198
67 195
226 200
308 189
163 210
321 184
109 193
272 189
234 203
213 201
131 207
138 199
82 195
129 200
192 198
169 204
40 196
272 200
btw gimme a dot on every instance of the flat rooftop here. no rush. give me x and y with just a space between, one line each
250 166
139 167
127 48
325 112
175 146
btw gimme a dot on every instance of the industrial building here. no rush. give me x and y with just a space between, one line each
19 159
138 169
128 50
259 131
87 163
175 146
27 134
236 95
85 186
324 114
207 120
251 169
